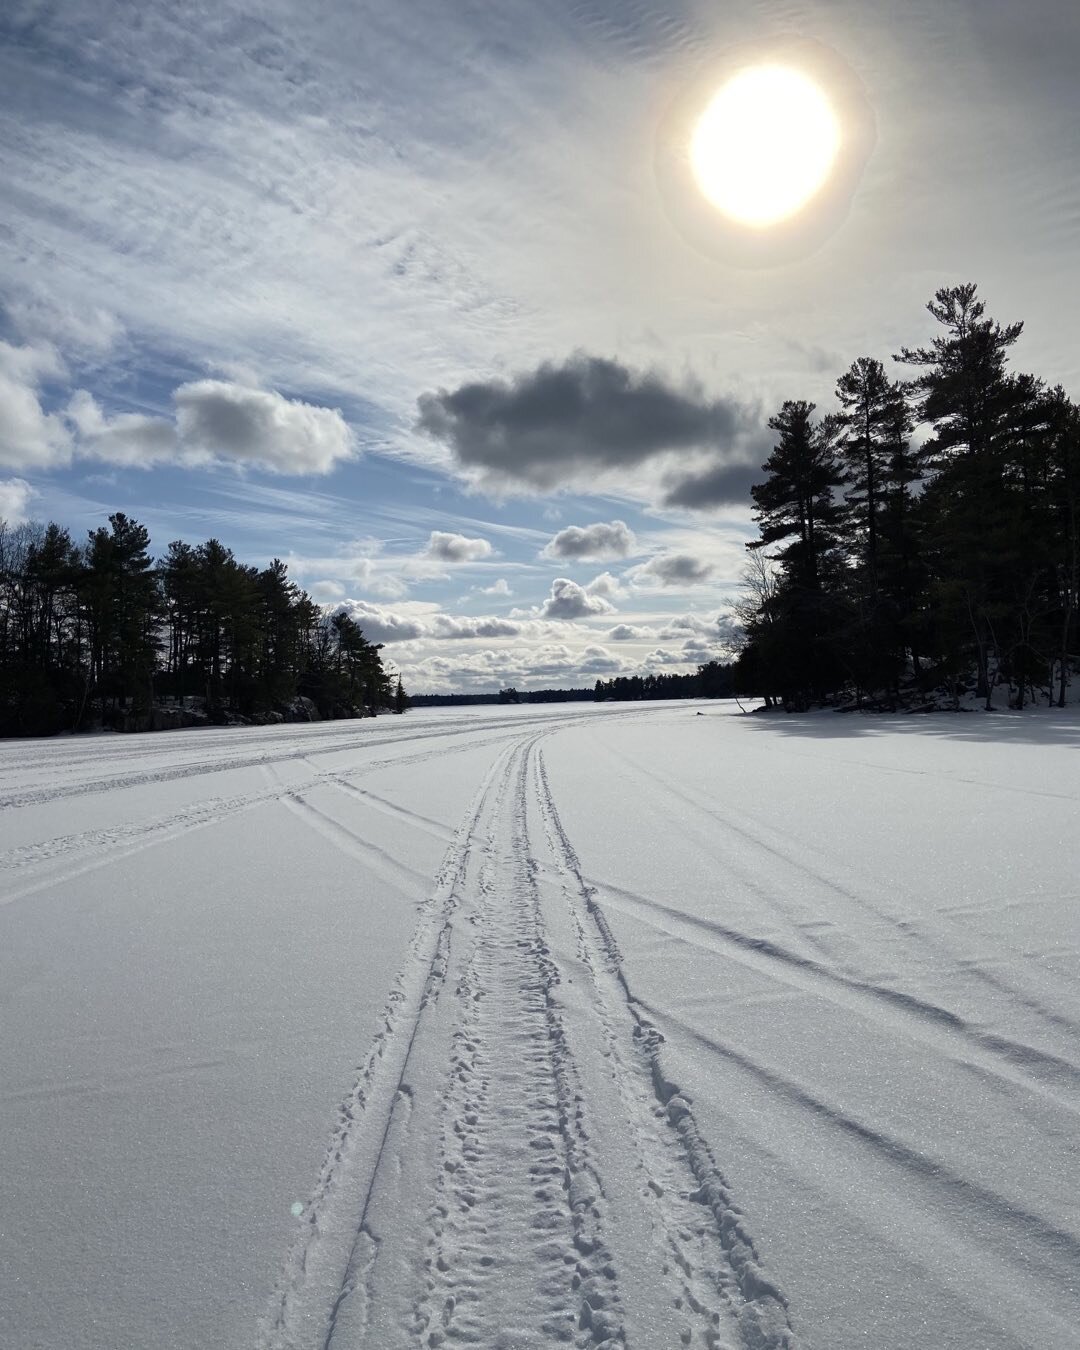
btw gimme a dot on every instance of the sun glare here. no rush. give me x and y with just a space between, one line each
764 145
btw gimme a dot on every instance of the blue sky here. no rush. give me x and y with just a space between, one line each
402 293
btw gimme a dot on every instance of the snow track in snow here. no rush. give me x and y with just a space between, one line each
710 1275
334 1249
669 1031
46 862
514 1167
760 865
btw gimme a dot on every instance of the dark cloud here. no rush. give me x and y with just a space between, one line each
378 624
559 423
721 484
613 539
449 626
674 569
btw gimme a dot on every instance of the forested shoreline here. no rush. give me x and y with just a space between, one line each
101 634
923 541
714 679
918 547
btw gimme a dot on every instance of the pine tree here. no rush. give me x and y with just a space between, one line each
965 393
796 508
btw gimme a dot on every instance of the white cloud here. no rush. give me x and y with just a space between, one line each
417 622
30 438
448 626
455 548
375 579
596 659
214 421
326 591
661 656
694 624
545 665
568 600
15 495
628 632
606 585
130 439
89 330
258 426
592 543
499 587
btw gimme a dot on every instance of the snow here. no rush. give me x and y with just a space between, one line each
523 1026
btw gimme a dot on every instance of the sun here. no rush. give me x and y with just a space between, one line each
765 145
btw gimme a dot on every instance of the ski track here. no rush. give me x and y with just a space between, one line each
938 947
708 1268
974 1208
200 768
501 1087
293 749
114 843
916 1018
333 1252
384 864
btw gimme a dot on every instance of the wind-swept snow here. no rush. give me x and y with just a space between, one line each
588 1025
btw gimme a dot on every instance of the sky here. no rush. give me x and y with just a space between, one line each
420 298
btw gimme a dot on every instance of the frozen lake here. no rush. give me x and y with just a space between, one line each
515 1027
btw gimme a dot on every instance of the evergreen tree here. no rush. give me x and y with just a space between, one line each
797 509
103 632
964 392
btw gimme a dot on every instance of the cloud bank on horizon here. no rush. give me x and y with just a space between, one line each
393 292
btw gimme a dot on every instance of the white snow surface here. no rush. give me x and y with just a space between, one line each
596 1025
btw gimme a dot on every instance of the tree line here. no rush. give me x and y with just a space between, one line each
714 679
100 633
925 536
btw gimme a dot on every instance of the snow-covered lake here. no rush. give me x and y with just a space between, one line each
516 1027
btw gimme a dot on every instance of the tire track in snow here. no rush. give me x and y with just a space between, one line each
517 1247
490 1089
432 827
115 843
141 832
939 1028
293 750
350 842
200 768
908 931
712 1274
1047 1249
334 1252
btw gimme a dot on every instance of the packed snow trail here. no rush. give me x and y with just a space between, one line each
489 1178
534 1026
